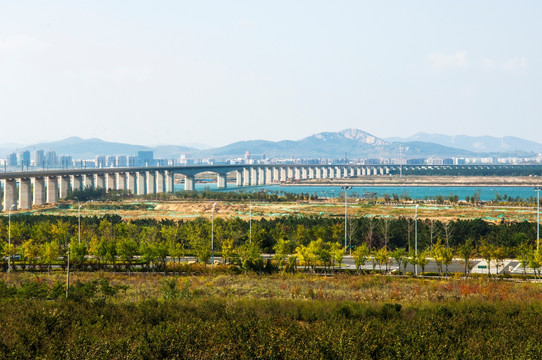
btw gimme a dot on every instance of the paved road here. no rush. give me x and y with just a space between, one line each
478 266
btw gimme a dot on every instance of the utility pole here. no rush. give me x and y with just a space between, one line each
345 188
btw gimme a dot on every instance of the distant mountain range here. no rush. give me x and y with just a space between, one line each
89 148
477 144
351 143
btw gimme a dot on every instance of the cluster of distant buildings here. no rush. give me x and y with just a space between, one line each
40 159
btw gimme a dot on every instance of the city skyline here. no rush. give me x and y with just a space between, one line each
216 73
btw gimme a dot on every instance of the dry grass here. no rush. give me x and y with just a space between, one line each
357 288
188 210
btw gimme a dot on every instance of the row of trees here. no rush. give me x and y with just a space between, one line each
42 238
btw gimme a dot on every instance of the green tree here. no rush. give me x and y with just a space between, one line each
304 254
399 256
147 254
382 256
229 253
465 251
499 254
161 251
448 257
337 252
535 262
486 250
282 250
361 253
50 252
524 252
423 259
438 254
320 251
251 257
78 252
31 252
127 250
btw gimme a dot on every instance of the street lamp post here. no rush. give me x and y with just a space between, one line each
416 240
250 224
9 237
345 188
538 188
79 219
68 274
212 236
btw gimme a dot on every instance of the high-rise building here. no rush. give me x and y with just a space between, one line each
24 158
39 158
66 161
110 161
131 160
12 159
121 160
100 161
51 158
145 158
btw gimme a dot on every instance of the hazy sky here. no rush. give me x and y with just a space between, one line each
216 72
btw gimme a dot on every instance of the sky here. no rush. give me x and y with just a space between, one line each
216 72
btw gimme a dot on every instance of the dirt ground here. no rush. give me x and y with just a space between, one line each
177 210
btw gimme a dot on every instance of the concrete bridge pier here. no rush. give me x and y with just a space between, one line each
151 185
239 177
170 181
304 173
110 182
52 189
297 173
189 183
99 181
120 179
283 174
64 186
221 181
268 175
276 174
10 194
25 194
88 181
246 176
141 183
253 176
261 176
76 182
39 191
311 173
131 182
317 172
324 173
159 182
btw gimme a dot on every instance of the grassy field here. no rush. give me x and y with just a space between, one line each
271 317
187 210
340 287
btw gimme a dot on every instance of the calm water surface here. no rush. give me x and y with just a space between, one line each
418 192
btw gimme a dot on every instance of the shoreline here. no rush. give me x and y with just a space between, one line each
423 182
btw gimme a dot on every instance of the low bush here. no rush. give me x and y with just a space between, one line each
249 329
